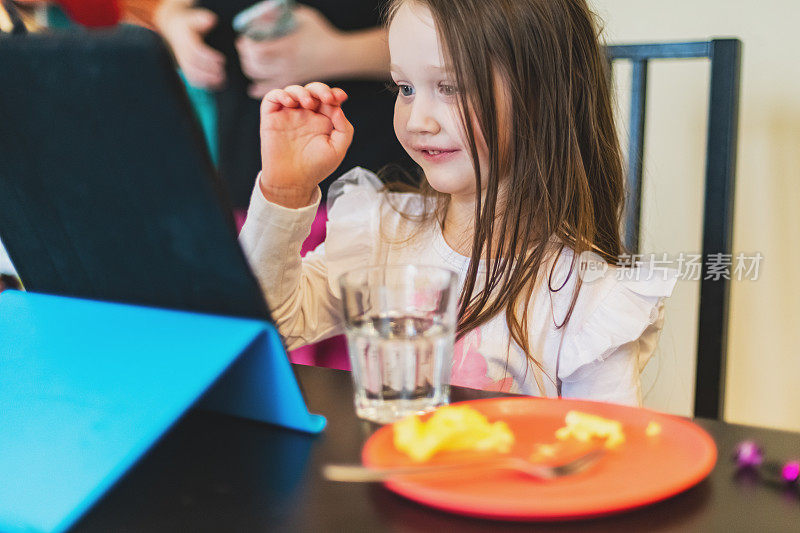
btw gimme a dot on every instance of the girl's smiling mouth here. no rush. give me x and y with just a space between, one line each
436 154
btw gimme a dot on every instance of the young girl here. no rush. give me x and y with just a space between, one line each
504 106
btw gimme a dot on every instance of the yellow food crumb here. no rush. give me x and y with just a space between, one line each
544 452
452 428
547 450
653 429
585 427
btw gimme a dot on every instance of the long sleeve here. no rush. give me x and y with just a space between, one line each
302 292
296 289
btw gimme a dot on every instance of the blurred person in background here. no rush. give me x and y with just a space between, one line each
335 40
338 41
17 16
40 14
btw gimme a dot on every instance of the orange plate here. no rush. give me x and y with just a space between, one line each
644 470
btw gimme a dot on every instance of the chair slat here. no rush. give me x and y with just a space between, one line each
660 50
718 225
635 155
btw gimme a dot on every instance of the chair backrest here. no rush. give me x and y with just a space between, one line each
723 117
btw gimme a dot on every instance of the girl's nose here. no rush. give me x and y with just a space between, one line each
421 119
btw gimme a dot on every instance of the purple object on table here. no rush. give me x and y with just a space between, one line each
748 454
791 471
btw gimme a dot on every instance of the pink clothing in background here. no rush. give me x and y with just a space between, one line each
330 353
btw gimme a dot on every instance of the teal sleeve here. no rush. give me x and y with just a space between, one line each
206 109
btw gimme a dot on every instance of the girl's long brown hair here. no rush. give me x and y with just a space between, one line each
554 163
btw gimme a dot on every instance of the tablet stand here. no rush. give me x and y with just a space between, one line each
87 387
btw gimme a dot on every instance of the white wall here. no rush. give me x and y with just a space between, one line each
763 379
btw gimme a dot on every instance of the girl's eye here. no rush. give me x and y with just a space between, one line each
405 90
401 88
447 89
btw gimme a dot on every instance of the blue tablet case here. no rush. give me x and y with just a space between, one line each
86 388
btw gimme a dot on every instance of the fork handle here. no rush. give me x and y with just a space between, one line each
358 473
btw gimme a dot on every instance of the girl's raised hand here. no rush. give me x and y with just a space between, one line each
304 136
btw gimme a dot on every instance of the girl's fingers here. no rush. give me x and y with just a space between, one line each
272 101
342 134
269 106
339 94
272 96
322 92
282 97
337 118
315 96
327 95
303 96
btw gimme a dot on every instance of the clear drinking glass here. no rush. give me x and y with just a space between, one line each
400 323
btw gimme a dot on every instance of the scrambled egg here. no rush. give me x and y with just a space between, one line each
585 427
653 429
451 428
545 452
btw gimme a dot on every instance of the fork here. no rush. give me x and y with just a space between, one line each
358 473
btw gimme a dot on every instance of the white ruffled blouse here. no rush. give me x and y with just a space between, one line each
599 355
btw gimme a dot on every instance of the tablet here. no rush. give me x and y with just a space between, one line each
107 190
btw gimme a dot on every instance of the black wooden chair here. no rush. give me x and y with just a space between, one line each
725 59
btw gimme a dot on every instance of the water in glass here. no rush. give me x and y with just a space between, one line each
401 365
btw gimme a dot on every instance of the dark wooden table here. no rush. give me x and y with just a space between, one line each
217 473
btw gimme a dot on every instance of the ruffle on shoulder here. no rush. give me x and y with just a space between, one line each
353 216
618 309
